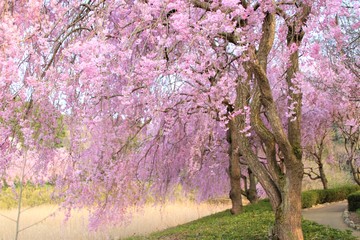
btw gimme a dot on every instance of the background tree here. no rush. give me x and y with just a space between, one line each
349 128
316 153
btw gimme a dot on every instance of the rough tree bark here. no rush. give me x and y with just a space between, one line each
282 186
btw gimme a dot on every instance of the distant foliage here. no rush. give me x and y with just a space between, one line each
32 196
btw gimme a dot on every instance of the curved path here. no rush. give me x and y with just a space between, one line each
329 214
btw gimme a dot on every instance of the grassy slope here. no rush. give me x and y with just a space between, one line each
253 224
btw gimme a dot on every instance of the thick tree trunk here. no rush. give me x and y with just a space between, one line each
288 213
235 192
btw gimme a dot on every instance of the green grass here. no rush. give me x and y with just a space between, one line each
253 223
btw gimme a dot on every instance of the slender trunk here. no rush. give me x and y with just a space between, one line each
323 178
288 213
319 157
19 211
21 185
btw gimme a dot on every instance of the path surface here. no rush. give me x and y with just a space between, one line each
331 215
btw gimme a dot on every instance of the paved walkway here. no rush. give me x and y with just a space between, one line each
329 214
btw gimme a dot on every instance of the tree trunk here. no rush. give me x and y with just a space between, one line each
252 193
282 186
234 172
350 148
323 178
288 213
355 171
235 192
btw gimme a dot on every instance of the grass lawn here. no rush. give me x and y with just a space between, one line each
253 224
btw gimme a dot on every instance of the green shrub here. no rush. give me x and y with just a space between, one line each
352 188
340 193
335 194
322 196
309 198
354 201
313 197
